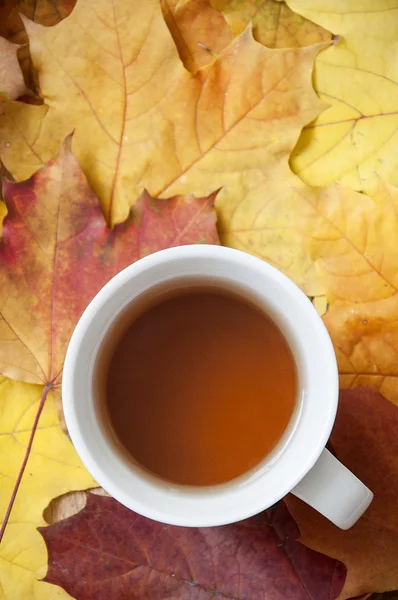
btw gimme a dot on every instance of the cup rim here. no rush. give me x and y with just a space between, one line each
213 505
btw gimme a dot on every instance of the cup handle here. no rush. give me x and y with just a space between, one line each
334 491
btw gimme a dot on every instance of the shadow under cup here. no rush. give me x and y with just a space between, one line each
149 431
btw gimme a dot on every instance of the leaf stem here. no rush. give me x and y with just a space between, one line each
43 398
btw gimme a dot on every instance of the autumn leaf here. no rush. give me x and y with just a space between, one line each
356 260
11 80
109 551
55 229
359 277
336 244
365 439
53 469
125 91
199 31
46 12
355 141
112 72
274 24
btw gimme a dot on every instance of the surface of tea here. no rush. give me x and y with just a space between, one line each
200 387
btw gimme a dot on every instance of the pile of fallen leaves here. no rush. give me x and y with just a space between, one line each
119 121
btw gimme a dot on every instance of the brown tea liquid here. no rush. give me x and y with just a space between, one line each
200 387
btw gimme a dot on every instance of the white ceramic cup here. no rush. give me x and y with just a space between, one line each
299 463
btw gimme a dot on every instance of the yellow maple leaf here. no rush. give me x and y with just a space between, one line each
339 244
274 24
363 317
359 273
356 139
53 469
141 120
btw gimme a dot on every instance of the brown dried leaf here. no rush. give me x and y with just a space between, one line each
365 439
